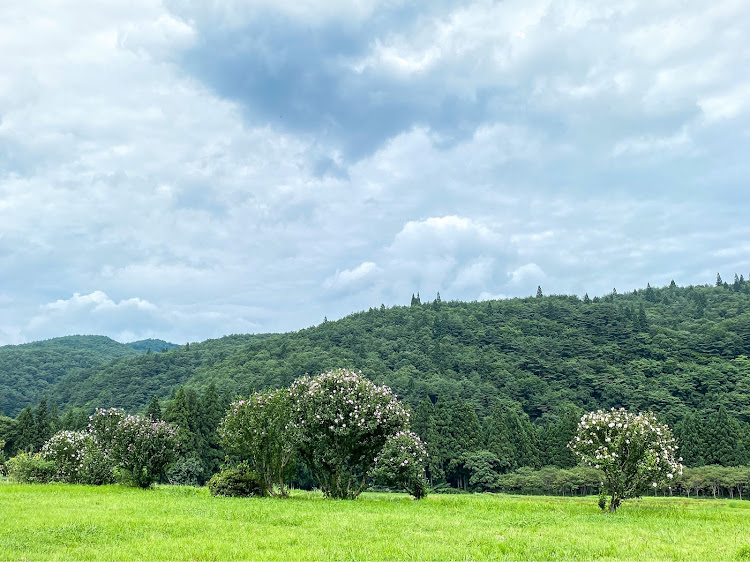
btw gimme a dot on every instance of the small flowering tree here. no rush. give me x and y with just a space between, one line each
341 421
103 425
401 463
259 430
78 458
634 451
143 449
139 448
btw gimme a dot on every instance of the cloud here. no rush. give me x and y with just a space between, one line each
258 166
351 278
529 271
96 313
652 146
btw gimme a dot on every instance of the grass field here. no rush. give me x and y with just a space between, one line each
62 522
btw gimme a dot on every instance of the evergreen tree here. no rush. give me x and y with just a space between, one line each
642 320
212 412
75 419
499 441
424 425
586 298
724 444
539 293
719 282
559 434
25 431
465 436
691 441
523 434
42 425
153 412
178 413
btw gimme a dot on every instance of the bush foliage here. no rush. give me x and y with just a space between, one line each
236 481
31 468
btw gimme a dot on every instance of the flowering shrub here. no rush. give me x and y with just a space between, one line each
634 451
401 463
66 449
259 430
341 421
78 458
103 425
142 449
97 468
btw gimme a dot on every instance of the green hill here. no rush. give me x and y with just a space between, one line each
30 370
672 350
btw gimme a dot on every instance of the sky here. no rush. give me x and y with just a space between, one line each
184 170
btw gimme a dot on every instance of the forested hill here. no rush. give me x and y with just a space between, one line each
672 350
28 371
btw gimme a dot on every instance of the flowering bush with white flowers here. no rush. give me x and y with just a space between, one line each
259 430
67 450
143 449
341 422
634 451
78 458
401 463
103 425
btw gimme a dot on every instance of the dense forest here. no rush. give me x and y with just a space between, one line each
494 385
29 371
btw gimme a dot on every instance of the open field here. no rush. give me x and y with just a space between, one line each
62 522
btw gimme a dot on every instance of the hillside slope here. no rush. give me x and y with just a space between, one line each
28 371
672 350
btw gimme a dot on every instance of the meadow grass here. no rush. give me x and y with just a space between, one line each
65 522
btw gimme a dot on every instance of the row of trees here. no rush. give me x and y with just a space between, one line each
705 481
465 451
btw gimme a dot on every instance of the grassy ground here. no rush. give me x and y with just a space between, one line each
62 522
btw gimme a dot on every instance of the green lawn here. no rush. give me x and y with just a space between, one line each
63 522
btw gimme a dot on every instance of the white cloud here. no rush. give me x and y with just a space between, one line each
651 145
591 144
96 302
351 278
526 272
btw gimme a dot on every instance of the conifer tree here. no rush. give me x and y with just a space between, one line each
499 441
42 425
153 412
212 412
423 423
690 438
178 413
25 431
724 444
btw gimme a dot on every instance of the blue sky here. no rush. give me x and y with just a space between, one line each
185 170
